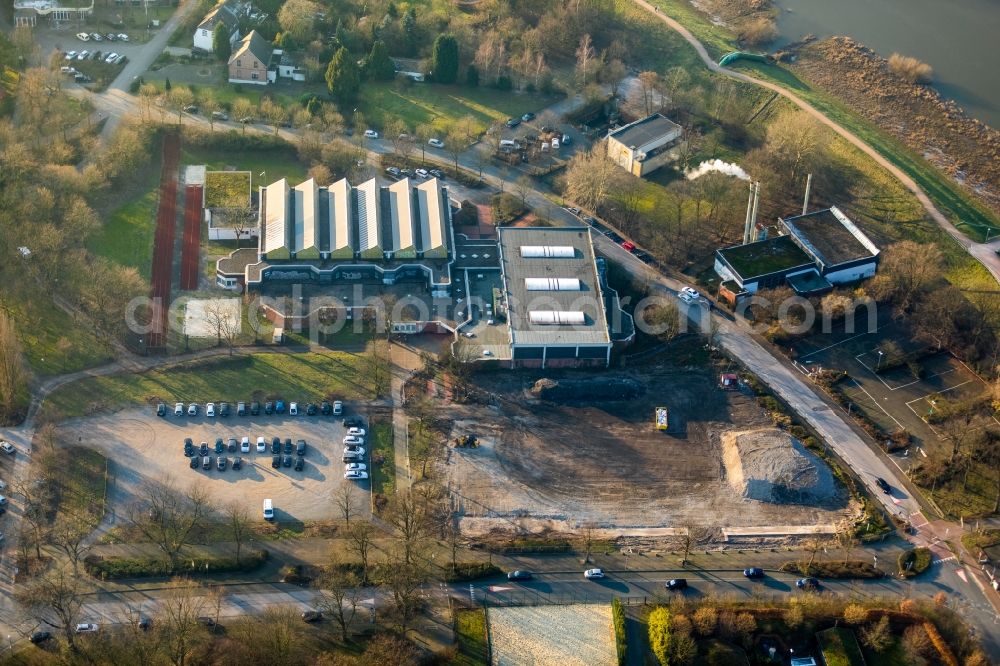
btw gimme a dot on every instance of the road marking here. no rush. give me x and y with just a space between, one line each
961 574
858 384
853 337
945 559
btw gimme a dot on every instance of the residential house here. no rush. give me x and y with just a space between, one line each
204 34
251 61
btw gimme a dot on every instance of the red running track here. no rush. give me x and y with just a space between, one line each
163 242
192 237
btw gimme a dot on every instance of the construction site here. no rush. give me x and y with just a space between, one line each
640 453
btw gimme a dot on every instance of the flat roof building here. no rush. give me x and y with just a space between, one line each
555 300
813 253
645 145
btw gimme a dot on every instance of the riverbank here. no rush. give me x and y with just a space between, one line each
752 21
965 149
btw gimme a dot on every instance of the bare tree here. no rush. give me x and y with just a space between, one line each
69 534
348 501
275 114
455 143
584 55
37 493
589 176
243 111
180 606
412 515
57 592
242 220
240 527
361 536
425 132
403 581
340 595
167 516
255 318
226 323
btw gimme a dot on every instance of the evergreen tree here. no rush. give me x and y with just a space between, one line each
342 76
166 85
445 59
410 30
220 42
379 65
472 76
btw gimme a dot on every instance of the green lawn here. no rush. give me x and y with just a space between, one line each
717 40
429 103
840 647
310 376
127 236
54 342
470 634
383 475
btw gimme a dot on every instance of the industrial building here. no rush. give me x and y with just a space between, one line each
559 310
645 145
343 232
810 252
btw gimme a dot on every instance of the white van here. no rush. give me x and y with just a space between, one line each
268 510
507 144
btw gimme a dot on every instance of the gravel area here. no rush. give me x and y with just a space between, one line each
769 465
575 635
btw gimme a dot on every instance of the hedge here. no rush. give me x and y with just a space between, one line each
618 617
471 571
914 561
834 569
659 634
110 568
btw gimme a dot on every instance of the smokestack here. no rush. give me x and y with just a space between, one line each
756 203
746 224
805 202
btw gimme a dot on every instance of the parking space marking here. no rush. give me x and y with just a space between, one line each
837 344
877 403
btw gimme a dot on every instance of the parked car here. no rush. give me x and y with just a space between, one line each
338 408
269 408
220 115
96 55
355 431
254 408
311 409
354 450
807 584
593 573
210 409
241 409
206 462
628 245
219 445
70 55
203 449
326 408
245 444
675 584
753 572
237 463
884 485
193 409
355 476
161 410
222 463
111 37
437 173
122 36
351 421
353 440
393 171
279 406
275 445
293 409
371 134
83 37
437 143
513 122
312 616
287 460
40 637
288 445
111 57
261 445
421 173
299 464
194 462
300 447
224 409
519 574
528 116
83 55
87 628
689 295
355 467
97 37
179 409
276 461
188 447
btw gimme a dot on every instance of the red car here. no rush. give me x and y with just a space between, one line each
628 245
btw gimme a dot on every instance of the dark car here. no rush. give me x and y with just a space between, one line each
275 445
299 464
194 462
206 621
40 637
884 485
224 409
222 463
232 445
206 462
437 173
188 447
144 623
326 408
753 572
807 584
279 406
677 584
254 408
269 408
241 409
312 616
237 462
287 460
203 450
161 409
519 575
311 409
276 461
528 116
219 446
513 122
288 445
354 422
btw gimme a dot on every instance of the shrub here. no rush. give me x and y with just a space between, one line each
109 568
835 569
910 69
659 634
472 571
618 619
878 636
942 649
914 561
794 616
855 614
706 619
294 574
758 32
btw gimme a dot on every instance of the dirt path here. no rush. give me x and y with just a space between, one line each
985 253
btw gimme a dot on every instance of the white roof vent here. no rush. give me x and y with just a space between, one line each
550 251
557 317
552 284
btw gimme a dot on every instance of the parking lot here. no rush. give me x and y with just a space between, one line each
142 447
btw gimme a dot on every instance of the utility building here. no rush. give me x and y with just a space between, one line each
645 145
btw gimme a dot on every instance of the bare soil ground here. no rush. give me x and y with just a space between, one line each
577 634
543 465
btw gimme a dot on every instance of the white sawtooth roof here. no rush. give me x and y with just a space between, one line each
306 220
401 215
433 218
369 230
275 210
340 214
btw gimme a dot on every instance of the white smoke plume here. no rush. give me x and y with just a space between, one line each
717 165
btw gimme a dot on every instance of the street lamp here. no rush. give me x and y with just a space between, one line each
880 353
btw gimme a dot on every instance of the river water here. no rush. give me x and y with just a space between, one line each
960 39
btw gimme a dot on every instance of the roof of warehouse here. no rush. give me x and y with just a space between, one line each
645 130
581 267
